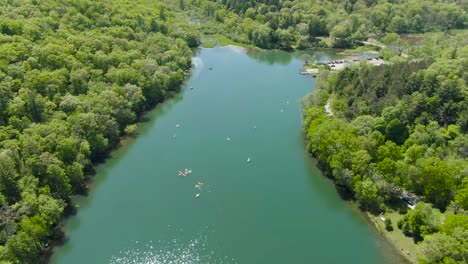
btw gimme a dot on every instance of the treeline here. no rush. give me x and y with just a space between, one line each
74 76
400 127
298 24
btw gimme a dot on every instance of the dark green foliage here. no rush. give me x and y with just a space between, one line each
388 224
400 129
74 76
297 24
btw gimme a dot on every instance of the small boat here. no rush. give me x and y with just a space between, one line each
191 87
187 171
228 139
178 125
248 159
281 110
174 136
181 173
198 185
197 195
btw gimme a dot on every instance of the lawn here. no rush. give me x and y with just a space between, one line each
209 42
397 237
224 41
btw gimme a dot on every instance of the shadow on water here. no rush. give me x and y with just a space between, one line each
270 56
285 57
146 122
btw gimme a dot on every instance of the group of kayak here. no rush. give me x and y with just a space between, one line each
185 173
198 185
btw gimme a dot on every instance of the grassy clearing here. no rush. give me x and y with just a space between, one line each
451 38
224 41
209 43
396 237
358 50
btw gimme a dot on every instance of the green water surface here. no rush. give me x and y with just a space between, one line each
277 208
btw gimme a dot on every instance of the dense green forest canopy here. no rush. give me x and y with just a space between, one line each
401 127
74 76
301 23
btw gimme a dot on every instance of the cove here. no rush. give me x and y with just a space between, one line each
277 208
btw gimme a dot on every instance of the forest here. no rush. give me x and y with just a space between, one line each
399 128
308 23
74 77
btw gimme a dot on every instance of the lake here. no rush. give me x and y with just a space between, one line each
237 126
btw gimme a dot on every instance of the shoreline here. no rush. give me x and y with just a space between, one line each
58 237
371 219
375 226
402 244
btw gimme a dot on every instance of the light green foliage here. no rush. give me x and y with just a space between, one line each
368 195
297 24
461 198
131 129
454 221
443 248
404 127
74 77
390 38
423 220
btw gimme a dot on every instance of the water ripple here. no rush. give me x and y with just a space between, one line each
170 252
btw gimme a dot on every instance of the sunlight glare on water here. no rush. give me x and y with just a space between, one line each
170 252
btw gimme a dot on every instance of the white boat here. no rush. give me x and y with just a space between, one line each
228 139
178 125
197 195
248 159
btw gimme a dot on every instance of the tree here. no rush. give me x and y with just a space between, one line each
8 177
396 131
388 224
461 198
439 179
73 76
443 248
340 36
285 38
423 220
367 195
261 36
